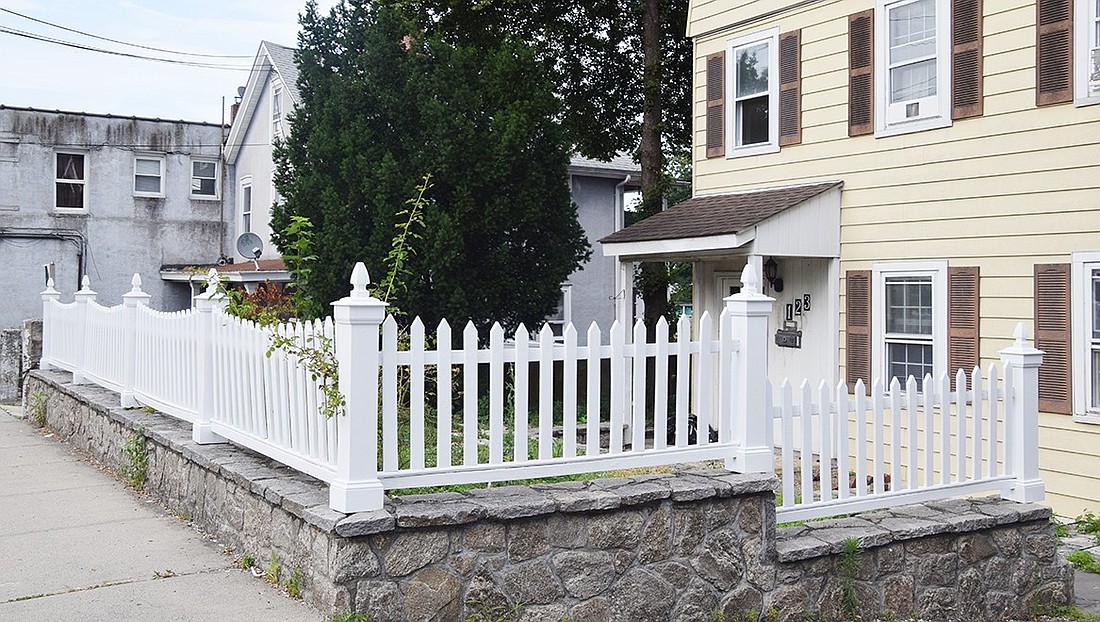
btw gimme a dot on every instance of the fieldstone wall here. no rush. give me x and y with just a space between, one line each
11 363
656 547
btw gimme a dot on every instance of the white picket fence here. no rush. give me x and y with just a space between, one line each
550 406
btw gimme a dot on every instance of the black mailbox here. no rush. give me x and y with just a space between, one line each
788 338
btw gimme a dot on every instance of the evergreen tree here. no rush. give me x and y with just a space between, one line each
383 104
622 69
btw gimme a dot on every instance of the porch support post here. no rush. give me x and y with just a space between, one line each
1022 418
751 421
130 302
356 487
209 306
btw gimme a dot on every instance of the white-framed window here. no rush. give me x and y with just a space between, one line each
1085 333
563 313
276 110
912 65
71 181
752 93
909 303
204 179
1087 55
246 204
148 175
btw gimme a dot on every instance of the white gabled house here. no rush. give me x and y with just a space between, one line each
927 172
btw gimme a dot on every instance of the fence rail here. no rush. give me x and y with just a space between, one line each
450 409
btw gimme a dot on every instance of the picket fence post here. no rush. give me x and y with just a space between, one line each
356 487
751 422
131 300
83 297
49 329
205 317
1022 418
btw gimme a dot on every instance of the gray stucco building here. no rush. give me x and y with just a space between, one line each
105 196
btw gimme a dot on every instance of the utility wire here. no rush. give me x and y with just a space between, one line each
135 45
29 35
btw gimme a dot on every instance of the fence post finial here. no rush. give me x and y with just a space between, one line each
85 284
750 281
360 279
136 283
1020 335
212 281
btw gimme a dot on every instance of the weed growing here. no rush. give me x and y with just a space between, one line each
135 466
1084 561
271 575
293 585
850 559
1089 523
38 409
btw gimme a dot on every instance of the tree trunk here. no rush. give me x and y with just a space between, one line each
653 284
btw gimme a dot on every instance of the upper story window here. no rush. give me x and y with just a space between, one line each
70 183
246 205
276 110
149 176
204 179
1087 55
912 62
753 93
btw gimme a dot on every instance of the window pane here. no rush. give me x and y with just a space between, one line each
908 359
909 305
70 166
752 70
144 183
247 222
913 81
204 169
70 195
913 23
1094 379
202 186
752 116
147 167
1096 305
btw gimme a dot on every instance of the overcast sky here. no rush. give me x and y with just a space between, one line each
51 76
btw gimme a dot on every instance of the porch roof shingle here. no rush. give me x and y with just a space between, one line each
719 214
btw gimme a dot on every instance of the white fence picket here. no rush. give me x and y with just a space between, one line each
592 388
546 393
569 392
637 414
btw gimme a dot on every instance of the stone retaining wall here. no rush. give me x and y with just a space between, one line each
655 547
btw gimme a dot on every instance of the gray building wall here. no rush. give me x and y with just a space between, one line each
117 233
254 164
599 209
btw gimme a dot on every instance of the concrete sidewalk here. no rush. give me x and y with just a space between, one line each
75 544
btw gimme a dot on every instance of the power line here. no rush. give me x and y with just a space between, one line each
88 48
135 45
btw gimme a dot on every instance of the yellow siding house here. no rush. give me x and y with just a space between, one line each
914 178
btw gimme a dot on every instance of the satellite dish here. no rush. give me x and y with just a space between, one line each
250 246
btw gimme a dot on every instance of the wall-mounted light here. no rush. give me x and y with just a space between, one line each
771 273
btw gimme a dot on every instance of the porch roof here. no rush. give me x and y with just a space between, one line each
721 223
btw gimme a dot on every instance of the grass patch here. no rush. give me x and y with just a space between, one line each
1084 561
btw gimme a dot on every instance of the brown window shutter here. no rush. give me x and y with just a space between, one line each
716 105
1052 328
966 59
861 65
962 320
1053 52
857 346
790 88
